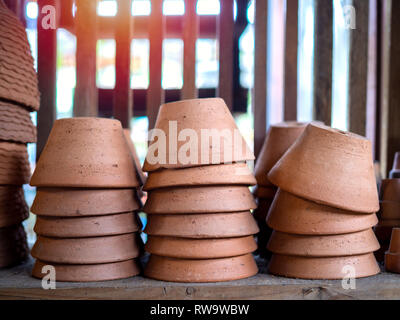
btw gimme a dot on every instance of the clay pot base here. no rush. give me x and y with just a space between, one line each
265 192
88 273
202 226
389 223
390 190
224 174
61 202
322 268
323 246
14 164
88 250
200 248
87 226
13 208
199 200
392 262
292 214
208 270
389 210
13 245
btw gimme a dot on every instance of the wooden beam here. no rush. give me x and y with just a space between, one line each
85 100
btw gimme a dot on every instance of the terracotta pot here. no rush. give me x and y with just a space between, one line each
60 202
389 210
330 268
80 227
199 200
13 246
392 257
278 140
207 270
87 153
390 190
13 208
330 167
224 174
202 226
291 214
200 248
389 223
323 246
261 212
91 272
14 164
87 250
265 192
138 167
196 116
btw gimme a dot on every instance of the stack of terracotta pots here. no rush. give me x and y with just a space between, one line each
19 95
200 228
278 140
392 256
324 211
86 203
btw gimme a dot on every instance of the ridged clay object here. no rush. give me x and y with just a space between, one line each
14 164
392 256
390 190
13 246
13 208
389 210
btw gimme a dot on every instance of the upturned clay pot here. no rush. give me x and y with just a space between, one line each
392 257
278 140
389 223
206 270
265 192
74 202
389 210
323 246
138 167
203 225
211 199
87 250
329 268
13 208
14 164
223 174
390 190
13 246
80 227
87 153
330 167
187 126
291 214
88 273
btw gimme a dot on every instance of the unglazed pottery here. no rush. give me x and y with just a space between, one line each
187 126
74 202
138 166
390 190
14 164
264 192
330 167
392 257
211 199
329 268
88 272
389 210
13 245
87 153
87 250
205 270
223 174
13 208
203 225
291 214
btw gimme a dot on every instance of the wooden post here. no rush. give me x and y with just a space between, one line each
85 100
123 38
190 33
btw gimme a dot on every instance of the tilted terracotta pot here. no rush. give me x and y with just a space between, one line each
138 167
199 200
89 272
87 153
392 257
323 246
330 167
13 208
87 250
200 248
14 164
206 270
79 227
13 246
329 268
203 225
390 190
389 210
74 202
224 174
265 192
195 116
279 139
292 214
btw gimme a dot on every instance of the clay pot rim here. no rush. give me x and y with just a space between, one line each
334 130
290 124
136 234
197 214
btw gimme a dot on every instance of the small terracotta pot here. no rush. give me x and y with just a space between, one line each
330 167
196 116
392 257
207 270
330 268
87 250
265 192
202 226
90 272
278 140
389 210
13 208
199 200
200 248
87 153
261 212
224 174
138 167
97 226
291 214
13 246
390 190
14 164
323 246
60 202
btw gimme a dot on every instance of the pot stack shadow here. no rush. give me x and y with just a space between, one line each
200 228
325 207
19 95
86 203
